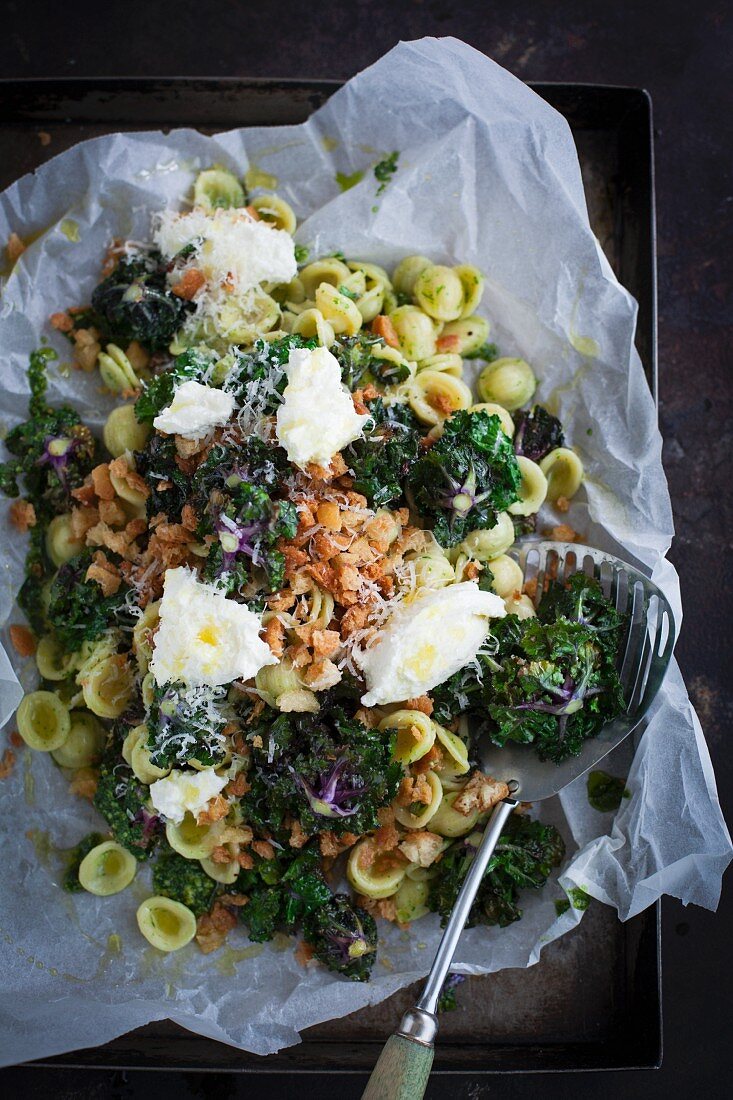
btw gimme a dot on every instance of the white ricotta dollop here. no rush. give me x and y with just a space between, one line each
230 247
317 417
427 638
181 791
194 411
203 637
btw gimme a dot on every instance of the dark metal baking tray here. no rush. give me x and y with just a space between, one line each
593 1001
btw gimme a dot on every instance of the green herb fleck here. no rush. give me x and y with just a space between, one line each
301 253
561 906
486 352
384 171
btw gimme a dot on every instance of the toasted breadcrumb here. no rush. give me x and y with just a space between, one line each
22 515
480 793
212 928
14 248
23 640
7 763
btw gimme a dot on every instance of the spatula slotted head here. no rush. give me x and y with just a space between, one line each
648 648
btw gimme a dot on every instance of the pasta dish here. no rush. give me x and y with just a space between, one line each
273 605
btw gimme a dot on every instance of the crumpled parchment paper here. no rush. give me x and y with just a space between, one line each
488 174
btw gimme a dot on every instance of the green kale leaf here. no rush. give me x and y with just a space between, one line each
52 452
343 937
524 858
560 683
325 770
192 365
186 724
466 478
135 302
359 365
77 610
381 461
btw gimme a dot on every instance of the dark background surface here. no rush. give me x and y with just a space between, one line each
681 53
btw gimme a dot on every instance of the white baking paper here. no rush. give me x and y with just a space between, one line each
488 174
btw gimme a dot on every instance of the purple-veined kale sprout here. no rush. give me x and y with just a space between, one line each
57 453
327 795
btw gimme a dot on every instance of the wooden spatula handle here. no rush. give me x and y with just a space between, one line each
402 1071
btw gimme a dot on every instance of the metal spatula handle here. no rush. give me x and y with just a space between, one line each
403 1068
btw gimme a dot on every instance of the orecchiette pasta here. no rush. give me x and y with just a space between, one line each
433 571
415 734
490 543
340 312
107 687
166 924
519 605
446 362
84 742
415 332
43 721
454 749
125 491
438 291
472 283
507 576
420 818
411 900
61 542
448 822
464 336
310 323
507 382
274 681
435 395
217 188
116 370
52 660
532 491
123 432
406 273
107 869
142 635
273 209
226 873
375 873
564 472
192 840
140 762
452 774
329 270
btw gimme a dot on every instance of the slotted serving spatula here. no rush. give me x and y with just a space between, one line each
404 1065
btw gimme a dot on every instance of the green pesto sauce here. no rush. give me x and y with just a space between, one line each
579 897
605 791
